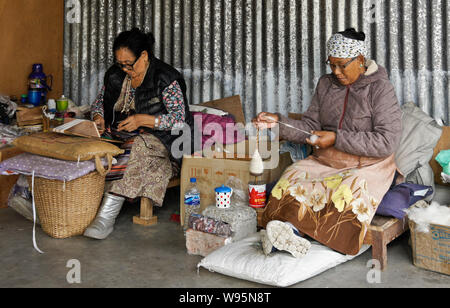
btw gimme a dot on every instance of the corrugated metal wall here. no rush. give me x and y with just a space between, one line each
271 52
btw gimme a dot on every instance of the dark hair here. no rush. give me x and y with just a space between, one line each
136 41
351 33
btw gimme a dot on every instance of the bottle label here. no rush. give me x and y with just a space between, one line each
192 200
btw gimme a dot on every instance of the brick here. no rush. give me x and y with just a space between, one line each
202 244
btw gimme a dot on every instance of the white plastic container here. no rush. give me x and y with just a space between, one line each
51 104
223 197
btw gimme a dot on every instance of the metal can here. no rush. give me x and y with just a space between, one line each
257 195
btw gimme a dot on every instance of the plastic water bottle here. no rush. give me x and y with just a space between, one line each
191 201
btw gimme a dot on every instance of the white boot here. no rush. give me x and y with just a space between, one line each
284 236
103 225
267 246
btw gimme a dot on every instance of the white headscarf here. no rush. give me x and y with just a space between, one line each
340 46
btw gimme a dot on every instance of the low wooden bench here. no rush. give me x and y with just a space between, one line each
382 231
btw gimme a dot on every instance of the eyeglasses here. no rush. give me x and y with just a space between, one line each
341 67
128 67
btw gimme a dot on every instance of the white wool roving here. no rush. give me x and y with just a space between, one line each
433 214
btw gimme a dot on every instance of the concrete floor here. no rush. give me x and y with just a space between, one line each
156 257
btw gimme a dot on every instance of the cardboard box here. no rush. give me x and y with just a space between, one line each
29 116
7 182
212 172
213 169
431 250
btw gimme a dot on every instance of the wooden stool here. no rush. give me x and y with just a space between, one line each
146 217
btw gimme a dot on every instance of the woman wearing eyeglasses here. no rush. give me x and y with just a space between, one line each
143 99
333 195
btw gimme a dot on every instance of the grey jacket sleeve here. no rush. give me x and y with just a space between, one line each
384 140
310 121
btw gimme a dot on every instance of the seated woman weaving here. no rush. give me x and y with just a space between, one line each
333 195
144 98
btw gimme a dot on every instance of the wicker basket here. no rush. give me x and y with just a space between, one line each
66 210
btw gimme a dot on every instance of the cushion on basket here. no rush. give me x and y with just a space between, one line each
66 147
47 168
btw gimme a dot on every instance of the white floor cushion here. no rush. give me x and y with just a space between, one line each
245 260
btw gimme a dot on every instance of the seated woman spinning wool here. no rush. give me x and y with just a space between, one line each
333 195
142 99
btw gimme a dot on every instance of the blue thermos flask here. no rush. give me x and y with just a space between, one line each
38 85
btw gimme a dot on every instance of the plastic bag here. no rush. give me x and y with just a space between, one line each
9 133
81 112
445 177
7 108
21 200
209 225
240 194
444 160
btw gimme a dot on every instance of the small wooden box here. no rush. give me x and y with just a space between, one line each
26 116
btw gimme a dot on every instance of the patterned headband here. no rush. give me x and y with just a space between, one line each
340 46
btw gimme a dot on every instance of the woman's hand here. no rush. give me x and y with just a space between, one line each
130 124
325 141
266 120
100 122
135 121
